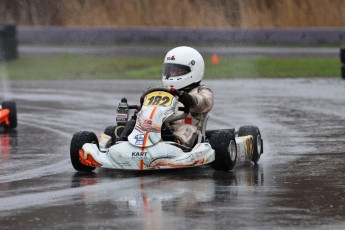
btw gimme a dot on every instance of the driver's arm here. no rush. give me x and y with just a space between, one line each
203 100
199 100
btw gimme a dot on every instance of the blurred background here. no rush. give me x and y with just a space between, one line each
182 13
238 38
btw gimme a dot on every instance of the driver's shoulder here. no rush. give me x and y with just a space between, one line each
201 89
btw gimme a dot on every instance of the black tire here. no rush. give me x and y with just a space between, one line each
110 131
11 106
77 142
224 144
342 55
343 71
258 143
114 132
209 133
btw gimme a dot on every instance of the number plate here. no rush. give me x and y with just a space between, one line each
158 98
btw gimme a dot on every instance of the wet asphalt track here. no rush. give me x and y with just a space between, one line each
299 182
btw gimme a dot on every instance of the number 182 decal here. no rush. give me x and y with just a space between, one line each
159 98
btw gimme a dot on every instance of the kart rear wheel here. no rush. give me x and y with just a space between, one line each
258 143
209 133
342 55
77 142
224 144
11 106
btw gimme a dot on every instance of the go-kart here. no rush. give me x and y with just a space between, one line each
8 115
151 143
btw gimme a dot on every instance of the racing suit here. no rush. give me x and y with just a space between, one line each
187 130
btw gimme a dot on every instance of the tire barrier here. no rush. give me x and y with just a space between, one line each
342 59
8 42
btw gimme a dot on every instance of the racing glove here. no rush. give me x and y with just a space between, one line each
184 97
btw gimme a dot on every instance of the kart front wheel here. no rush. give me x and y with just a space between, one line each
111 131
78 140
11 106
224 144
258 143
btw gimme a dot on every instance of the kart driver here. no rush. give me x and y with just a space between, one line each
183 69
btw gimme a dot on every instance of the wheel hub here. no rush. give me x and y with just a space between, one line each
258 144
232 150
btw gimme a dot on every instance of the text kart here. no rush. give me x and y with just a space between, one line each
151 145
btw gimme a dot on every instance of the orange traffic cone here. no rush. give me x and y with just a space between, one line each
215 59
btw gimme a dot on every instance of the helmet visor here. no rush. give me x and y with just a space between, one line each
174 70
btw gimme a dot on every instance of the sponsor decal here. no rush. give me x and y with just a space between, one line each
172 58
187 133
145 124
148 126
139 139
248 147
121 117
168 112
139 154
124 164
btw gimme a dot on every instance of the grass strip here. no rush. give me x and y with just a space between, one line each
62 67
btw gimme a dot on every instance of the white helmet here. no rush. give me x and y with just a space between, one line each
182 67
